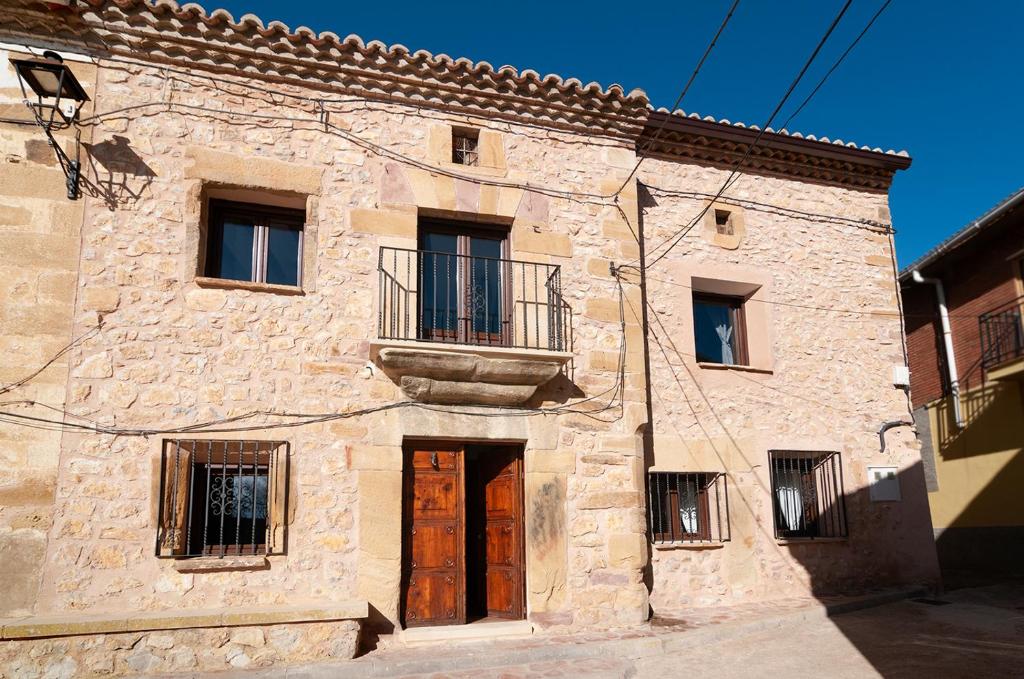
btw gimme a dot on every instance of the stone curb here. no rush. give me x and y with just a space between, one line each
35 627
482 655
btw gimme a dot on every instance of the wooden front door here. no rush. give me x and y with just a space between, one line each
463 552
502 474
433 508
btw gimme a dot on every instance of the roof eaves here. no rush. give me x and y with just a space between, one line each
785 133
991 216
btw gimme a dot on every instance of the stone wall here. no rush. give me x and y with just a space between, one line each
823 382
173 351
197 649
39 230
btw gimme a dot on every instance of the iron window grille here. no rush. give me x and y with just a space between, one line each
255 243
720 329
807 495
688 507
464 147
222 498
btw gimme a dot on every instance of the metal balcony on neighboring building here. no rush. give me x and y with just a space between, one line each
1002 341
455 328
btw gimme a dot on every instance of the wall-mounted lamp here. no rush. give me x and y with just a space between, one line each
50 79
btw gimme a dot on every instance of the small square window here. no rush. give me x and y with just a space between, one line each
255 243
723 223
884 484
719 329
807 494
464 147
222 498
684 507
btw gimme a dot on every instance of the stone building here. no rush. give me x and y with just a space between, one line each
347 337
966 388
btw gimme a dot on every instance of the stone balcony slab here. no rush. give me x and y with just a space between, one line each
455 374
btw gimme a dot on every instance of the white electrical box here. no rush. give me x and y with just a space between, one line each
884 484
900 376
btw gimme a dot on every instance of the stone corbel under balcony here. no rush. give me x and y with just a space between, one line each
460 374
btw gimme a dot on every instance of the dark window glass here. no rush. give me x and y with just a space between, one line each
230 508
254 243
440 289
236 249
718 330
486 284
283 245
462 284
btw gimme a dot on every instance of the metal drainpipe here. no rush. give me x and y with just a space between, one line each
947 340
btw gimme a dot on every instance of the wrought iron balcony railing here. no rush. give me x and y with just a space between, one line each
1002 334
445 297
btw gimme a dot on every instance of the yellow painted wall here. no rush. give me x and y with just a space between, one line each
980 468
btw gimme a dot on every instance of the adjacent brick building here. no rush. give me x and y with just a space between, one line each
976 466
359 340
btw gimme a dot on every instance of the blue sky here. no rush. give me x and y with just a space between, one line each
942 80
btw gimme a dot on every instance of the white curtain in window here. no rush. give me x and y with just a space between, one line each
788 495
724 333
688 511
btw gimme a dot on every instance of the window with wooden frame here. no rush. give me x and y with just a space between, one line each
465 144
222 498
719 329
807 494
687 507
465 284
255 243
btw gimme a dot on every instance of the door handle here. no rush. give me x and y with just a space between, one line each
433 461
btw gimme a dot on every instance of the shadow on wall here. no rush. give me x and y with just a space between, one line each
987 537
889 544
117 175
994 421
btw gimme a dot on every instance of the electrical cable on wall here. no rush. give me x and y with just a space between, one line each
734 172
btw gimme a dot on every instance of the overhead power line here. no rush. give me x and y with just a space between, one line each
734 171
835 65
679 99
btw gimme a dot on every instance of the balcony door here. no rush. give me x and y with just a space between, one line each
463 284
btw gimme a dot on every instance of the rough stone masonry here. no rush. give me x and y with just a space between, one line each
188 107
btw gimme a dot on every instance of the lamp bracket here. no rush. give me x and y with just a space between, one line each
45 115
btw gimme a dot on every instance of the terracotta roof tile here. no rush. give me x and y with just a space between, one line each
784 132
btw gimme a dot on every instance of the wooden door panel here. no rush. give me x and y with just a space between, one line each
502 594
433 530
504 534
446 460
501 497
434 546
435 496
433 599
501 544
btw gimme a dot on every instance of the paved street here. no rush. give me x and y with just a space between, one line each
974 632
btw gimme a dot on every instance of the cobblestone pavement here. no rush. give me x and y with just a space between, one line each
976 633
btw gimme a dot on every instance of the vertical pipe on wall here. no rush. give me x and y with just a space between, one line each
947 342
